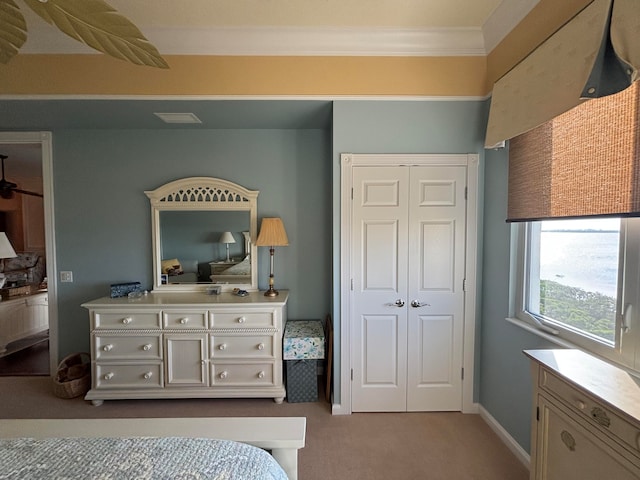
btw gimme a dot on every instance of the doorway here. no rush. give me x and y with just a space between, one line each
408 256
33 347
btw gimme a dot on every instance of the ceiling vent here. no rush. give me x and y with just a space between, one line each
178 117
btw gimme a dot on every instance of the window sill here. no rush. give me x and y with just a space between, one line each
566 344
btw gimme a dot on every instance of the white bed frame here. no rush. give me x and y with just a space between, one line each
283 436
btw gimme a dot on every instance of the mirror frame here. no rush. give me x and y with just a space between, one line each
198 194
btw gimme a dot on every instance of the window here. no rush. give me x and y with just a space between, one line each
578 279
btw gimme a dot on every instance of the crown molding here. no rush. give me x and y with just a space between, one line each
310 41
286 41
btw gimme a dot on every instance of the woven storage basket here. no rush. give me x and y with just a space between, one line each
73 377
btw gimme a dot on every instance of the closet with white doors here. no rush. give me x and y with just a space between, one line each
408 265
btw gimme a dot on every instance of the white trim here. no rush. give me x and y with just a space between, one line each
45 141
507 439
347 162
285 40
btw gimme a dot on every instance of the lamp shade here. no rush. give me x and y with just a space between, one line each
272 233
6 250
227 237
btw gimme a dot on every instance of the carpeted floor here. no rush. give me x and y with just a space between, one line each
371 446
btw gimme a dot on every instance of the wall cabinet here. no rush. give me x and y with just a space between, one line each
586 418
187 345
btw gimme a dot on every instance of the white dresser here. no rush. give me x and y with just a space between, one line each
585 419
187 345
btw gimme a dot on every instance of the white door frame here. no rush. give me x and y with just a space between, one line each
44 139
347 162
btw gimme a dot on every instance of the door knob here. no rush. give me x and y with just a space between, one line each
417 304
398 303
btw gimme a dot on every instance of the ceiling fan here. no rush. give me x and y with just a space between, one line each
7 188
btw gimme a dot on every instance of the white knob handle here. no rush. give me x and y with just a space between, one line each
223 346
107 347
241 320
261 375
148 375
146 347
580 404
184 320
261 346
108 376
127 320
202 362
223 375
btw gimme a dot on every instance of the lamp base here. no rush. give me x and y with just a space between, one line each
272 292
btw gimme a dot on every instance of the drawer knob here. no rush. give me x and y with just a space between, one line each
261 346
580 405
107 347
223 375
568 440
148 375
108 376
146 347
241 320
223 346
127 320
600 416
261 375
184 320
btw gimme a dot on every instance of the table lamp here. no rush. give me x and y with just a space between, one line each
272 234
227 238
6 251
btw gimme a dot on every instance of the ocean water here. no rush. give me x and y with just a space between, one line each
583 259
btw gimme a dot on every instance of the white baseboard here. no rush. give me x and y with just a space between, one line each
508 440
338 409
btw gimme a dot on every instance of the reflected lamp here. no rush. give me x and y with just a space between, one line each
227 238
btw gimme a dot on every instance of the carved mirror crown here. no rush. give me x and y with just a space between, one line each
188 220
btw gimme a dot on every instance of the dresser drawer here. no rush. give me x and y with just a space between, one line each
226 346
124 319
114 347
184 319
244 320
596 413
227 374
108 376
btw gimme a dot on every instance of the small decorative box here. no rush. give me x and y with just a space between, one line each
303 339
124 289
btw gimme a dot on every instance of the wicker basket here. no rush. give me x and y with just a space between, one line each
73 377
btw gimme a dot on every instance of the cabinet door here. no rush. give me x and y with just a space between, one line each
186 359
567 450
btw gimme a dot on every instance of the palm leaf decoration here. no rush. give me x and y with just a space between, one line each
100 26
13 30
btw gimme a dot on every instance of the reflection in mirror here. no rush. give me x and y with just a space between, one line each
202 230
192 251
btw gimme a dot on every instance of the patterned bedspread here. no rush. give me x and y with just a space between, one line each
135 458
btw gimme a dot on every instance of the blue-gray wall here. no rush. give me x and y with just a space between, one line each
103 219
505 378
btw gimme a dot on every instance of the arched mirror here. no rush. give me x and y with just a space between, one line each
204 232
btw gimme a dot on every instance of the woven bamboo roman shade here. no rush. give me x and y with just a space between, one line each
596 53
583 163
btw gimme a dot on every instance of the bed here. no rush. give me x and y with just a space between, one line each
171 448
